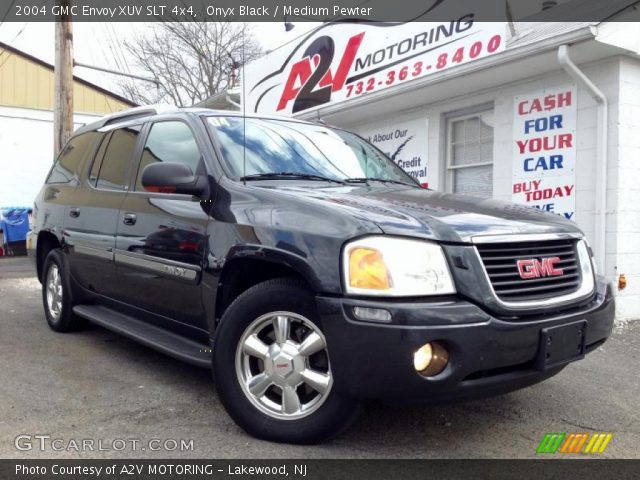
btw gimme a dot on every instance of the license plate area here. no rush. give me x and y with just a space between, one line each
562 344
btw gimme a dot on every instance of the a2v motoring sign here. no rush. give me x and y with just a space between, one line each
544 150
339 61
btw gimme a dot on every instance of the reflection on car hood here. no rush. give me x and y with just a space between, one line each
400 210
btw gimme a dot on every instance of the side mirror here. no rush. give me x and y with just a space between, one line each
167 177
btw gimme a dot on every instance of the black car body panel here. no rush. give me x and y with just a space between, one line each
166 259
406 211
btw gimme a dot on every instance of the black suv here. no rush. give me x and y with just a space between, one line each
306 268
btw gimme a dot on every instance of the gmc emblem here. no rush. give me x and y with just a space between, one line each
534 268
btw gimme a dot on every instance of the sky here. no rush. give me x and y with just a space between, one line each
102 44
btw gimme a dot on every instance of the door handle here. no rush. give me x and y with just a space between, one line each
74 212
129 219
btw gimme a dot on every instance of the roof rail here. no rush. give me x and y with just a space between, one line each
135 112
128 114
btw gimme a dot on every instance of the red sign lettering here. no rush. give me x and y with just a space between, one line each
303 78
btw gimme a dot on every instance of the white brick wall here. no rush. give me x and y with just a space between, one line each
625 246
619 79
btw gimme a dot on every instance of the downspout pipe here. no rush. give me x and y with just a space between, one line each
600 238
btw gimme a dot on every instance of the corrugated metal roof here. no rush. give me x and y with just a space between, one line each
27 81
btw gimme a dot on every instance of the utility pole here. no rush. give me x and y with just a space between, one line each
63 75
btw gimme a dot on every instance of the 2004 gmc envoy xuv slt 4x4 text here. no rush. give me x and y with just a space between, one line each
306 268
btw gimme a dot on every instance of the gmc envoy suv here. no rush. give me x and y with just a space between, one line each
306 269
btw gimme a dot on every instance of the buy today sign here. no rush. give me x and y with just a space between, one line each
544 150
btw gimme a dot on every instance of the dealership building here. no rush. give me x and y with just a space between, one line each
545 114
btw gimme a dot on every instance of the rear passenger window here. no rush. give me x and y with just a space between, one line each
69 164
118 155
169 141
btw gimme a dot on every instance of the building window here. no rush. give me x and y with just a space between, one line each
470 154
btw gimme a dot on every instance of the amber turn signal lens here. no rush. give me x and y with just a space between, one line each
622 282
367 269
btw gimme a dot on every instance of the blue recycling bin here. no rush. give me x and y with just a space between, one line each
14 223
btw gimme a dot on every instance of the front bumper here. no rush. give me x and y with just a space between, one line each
487 355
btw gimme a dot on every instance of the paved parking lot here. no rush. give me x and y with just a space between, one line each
97 385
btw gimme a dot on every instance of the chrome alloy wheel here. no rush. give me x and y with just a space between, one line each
54 291
282 365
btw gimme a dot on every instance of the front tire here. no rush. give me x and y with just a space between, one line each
271 366
56 295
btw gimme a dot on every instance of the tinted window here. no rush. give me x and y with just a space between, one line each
169 142
117 158
69 164
95 168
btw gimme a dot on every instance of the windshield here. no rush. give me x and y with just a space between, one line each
288 147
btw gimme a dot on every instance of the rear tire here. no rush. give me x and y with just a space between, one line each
271 367
56 295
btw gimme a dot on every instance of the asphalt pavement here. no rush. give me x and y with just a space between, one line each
129 400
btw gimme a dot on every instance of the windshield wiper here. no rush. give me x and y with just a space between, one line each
383 180
292 175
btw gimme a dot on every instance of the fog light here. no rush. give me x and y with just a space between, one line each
372 314
430 359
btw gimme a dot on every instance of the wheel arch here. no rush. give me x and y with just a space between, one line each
246 268
47 241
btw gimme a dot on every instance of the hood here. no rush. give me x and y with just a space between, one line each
407 211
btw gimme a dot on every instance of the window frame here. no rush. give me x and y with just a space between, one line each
108 135
86 157
450 168
144 134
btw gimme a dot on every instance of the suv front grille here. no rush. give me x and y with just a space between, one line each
501 263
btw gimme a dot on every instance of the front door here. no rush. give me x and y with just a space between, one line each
161 238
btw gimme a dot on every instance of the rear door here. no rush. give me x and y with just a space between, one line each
60 189
161 239
91 222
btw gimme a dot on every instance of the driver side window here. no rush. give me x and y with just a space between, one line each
169 141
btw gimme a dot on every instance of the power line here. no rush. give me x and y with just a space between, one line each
110 46
102 44
17 34
12 41
116 72
118 45
4 17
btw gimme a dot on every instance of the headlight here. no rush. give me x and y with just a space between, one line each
398 267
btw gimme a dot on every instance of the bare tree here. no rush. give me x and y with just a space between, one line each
190 60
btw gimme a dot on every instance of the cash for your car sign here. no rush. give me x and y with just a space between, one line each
339 61
405 143
544 150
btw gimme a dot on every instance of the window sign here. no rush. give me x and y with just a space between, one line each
544 150
406 144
